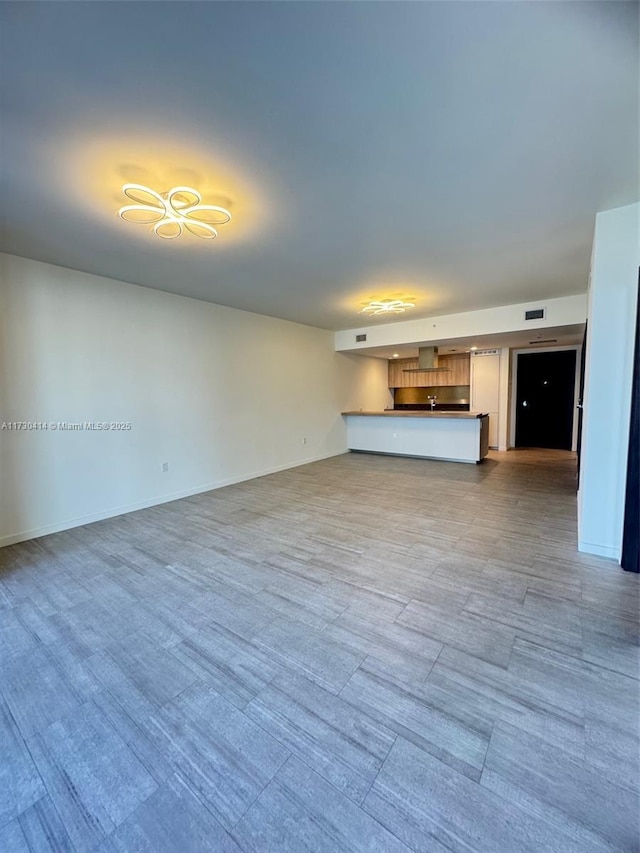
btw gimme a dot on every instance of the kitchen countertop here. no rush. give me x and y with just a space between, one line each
404 414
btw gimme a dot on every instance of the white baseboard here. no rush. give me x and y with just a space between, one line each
600 550
35 533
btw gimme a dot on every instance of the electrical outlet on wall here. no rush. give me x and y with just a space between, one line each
164 467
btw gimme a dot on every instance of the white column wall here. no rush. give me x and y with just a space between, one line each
613 293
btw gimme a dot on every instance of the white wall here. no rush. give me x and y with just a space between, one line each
562 311
505 390
487 391
608 373
221 395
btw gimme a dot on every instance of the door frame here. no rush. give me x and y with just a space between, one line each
515 354
630 557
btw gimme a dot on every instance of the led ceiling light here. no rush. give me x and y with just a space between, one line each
172 212
387 306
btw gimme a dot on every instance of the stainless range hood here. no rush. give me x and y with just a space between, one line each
427 360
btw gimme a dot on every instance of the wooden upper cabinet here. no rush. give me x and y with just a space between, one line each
397 378
457 374
460 365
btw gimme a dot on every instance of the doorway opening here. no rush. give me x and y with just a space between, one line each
545 399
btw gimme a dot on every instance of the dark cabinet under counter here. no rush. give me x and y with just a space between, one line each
426 407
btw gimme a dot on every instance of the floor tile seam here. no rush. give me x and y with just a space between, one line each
302 758
58 815
522 632
330 725
581 659
587 765
382 763
281 659
390 790
516 702
158 786
359 805
205 804
548 805
259 794
24 743
51 794
139 729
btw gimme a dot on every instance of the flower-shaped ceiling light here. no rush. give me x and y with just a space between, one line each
387 306
173 211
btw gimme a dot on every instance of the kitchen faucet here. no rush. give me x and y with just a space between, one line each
432 399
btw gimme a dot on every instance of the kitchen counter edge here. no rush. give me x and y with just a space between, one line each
404 414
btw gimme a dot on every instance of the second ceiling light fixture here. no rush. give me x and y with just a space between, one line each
387 306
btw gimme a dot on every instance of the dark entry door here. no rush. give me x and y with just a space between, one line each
631 535
545 399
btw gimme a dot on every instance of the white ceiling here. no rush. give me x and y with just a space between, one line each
451 152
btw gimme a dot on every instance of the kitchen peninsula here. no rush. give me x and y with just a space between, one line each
451 436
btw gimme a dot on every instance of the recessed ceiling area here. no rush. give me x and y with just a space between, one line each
451 154
536 338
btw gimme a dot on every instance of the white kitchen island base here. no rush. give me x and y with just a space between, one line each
451 436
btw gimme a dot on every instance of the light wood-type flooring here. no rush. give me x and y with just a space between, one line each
362 654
